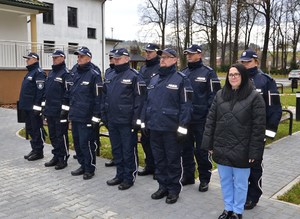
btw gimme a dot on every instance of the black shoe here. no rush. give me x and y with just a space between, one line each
145 172
77 172
88 175
249 205
110 163
35 156
187 181
172 198
124 186
159 194
28 155
225 215
113 182
61 164
203 187
51 163
236 216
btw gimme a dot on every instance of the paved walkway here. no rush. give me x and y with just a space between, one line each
30 190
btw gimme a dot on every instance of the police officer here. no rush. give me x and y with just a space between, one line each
147 71
31 96
85 101
166 114
122 96
205 84
111 67
265 85
57 85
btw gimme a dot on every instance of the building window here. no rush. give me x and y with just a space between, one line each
91 33
48 16
49 46
72 17
72 47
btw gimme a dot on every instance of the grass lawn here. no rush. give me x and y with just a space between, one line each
292 196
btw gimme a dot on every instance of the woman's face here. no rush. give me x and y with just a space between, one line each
234 78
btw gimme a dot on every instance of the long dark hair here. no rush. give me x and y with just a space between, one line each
245 88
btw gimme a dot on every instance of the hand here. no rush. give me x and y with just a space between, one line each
135 125
64 115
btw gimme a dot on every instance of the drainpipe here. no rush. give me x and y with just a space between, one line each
103 37
33 33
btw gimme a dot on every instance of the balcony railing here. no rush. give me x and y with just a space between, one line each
12 52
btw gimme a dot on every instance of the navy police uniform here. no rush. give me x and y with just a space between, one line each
57 85
205 84
122 96
265 85
167 109
147 71
31 96
85 101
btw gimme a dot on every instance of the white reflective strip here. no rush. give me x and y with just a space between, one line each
63 120
138 122
182 130
65 107
95 119
297 94
66 146
37 108
143 125
181 175
270 133
43 103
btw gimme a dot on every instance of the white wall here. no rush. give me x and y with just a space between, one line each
88 14
13 26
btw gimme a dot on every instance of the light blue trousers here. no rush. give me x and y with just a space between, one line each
234 184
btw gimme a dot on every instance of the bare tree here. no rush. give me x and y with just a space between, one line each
155 12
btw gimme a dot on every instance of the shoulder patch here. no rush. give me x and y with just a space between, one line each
135 71
181 74
97 73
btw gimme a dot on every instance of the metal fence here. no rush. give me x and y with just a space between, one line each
12 52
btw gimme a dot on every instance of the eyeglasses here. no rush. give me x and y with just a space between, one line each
167 57
234 75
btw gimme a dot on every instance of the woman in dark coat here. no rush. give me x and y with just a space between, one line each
234 134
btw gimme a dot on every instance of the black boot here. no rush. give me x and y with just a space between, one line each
225 215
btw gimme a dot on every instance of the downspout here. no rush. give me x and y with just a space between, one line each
103 37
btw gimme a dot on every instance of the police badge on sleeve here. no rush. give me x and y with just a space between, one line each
40 84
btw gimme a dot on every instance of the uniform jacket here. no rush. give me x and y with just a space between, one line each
235 130
267 87
33 87
85 94
121 95
150 69
205 84
56 89
168 104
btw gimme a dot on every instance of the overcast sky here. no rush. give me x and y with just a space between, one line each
122 16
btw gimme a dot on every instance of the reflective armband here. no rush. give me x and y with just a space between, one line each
270 133
182 130
63 120
143 125
138 122
43 103
37 108
95 119
65 107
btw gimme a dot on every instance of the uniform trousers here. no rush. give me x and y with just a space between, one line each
234 185
58 133
168 162
149 160
85 145
34 127
255 182
123 150
191 147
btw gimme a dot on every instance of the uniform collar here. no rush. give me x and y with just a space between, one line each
33 66
193 65
163 71
59 66
153 61
122 67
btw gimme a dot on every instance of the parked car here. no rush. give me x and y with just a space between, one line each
294 74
